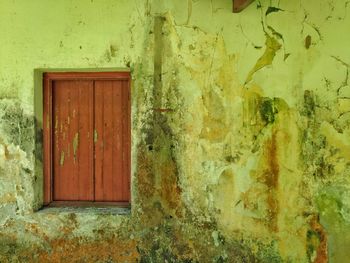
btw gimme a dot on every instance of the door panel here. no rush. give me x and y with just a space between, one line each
73 140
111 176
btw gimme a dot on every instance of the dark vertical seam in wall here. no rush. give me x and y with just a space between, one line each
157 86
158 53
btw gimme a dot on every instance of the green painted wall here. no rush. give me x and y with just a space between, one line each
249 163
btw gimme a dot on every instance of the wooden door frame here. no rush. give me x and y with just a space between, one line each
48 79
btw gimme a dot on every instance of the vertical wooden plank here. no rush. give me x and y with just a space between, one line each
84 141
98 140
72 140
109 173
117 138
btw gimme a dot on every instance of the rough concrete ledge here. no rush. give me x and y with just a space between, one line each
86 210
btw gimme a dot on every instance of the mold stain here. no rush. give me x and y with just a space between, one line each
309 103
267 110
307 41
113 50
272 9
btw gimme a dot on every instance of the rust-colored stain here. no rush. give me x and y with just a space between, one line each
107 250
145 176
271 180
322 250
35 229
170 190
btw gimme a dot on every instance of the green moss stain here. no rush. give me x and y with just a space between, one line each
16 125
309 103
267 110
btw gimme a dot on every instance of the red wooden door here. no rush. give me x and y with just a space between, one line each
87 137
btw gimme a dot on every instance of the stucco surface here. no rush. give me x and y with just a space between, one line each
240 130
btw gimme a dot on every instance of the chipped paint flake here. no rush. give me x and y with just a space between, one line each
62 158
56 122
272 46
75 145
95 136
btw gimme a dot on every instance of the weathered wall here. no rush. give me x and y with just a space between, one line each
241 126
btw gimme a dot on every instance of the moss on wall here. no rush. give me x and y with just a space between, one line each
240 127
